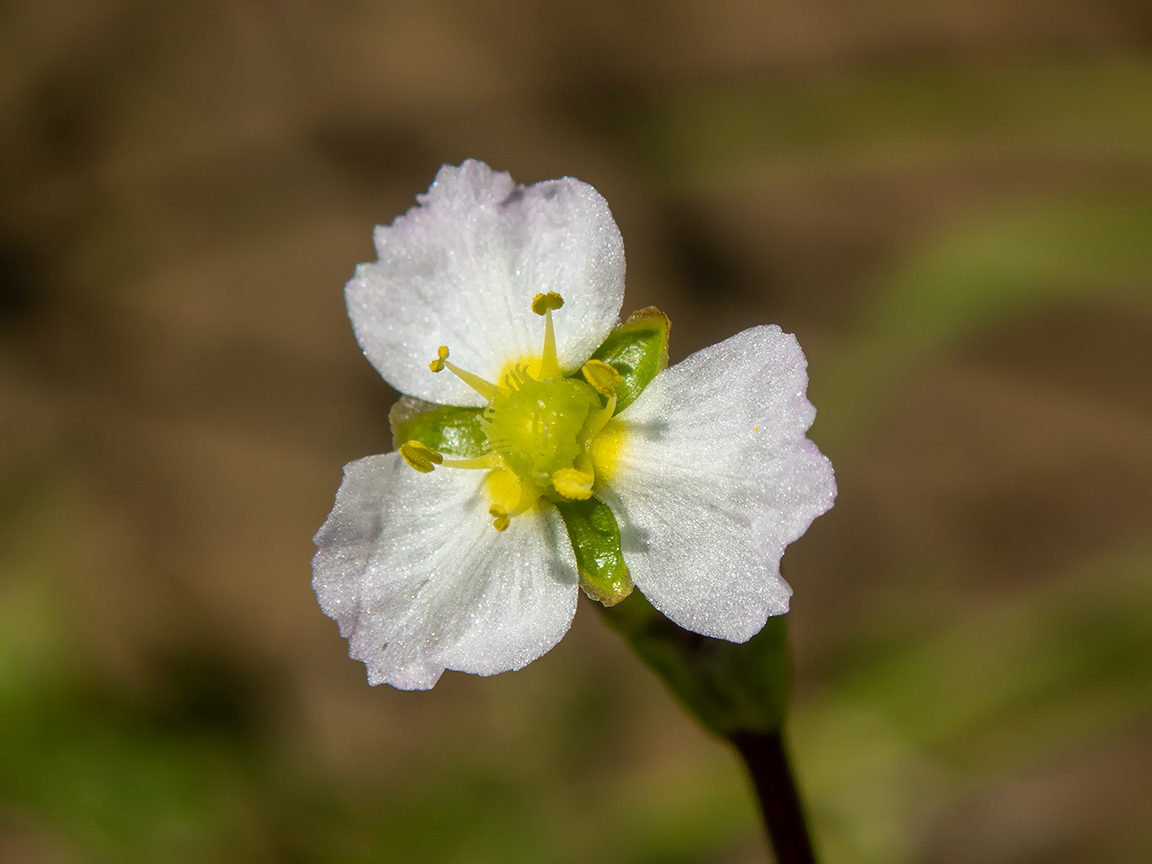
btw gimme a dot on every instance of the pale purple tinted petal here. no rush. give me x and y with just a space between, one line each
461 270
715 477
411 568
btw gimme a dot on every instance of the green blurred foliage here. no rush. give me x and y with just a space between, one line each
978 278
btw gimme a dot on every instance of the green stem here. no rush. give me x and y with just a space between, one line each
739 691
767 759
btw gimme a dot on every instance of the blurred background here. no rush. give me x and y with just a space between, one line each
950 203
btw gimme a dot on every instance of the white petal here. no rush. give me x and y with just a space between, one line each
411 568
461 270
715 478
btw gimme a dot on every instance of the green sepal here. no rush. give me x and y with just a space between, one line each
595 539
444 428
637 349
730 687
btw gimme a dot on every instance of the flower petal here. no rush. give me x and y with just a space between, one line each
714 477
461 270
411 568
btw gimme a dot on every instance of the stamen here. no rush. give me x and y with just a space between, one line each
573 483
420 456
510 496
484 388
600 420
543 304
500 520
603 378
487 461
437 365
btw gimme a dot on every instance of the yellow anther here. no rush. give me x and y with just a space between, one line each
437 365
500 520
484 388
603 378
573 483
510 496
543 303
420 456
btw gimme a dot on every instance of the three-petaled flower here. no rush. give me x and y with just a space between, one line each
570 457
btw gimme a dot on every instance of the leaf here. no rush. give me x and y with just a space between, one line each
638 350
595 539
444 428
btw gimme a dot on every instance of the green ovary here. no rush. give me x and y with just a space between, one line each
539 427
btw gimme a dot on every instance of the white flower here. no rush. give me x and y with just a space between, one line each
470 566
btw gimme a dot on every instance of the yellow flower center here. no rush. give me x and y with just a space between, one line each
540 427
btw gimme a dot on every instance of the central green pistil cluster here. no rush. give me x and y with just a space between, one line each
544 436
540 427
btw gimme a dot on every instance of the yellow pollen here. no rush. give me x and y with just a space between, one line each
603 378
500 520
420 456
510 496
437 365
542 303
484 388
573 483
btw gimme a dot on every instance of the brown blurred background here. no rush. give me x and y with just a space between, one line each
949 202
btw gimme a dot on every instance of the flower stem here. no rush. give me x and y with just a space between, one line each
767 759
738 691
